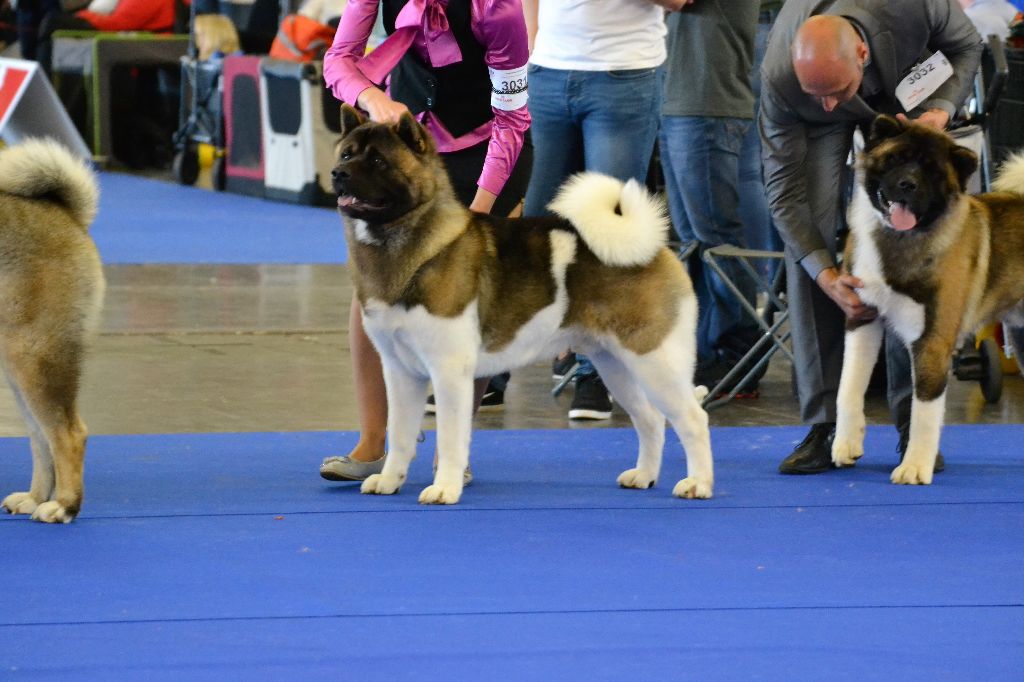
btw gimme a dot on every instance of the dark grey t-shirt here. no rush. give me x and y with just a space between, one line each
710 52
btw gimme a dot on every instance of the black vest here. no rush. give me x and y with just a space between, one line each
458 94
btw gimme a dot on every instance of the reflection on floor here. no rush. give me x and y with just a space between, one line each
264 348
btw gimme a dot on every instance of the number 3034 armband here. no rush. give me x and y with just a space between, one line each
508 88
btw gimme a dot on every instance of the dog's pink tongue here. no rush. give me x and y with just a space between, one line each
902 218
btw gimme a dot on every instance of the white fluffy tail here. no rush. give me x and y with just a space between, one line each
1010 177
622 223
43 168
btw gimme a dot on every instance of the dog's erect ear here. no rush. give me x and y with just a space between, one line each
882 128
412 133
965 162
350 119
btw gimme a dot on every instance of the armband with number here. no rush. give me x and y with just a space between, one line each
508 88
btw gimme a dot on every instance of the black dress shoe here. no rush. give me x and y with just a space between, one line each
901 448
814 454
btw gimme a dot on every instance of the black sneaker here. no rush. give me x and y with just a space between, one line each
562 366
492 401
592 400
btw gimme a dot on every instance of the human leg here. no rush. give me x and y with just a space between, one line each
367 457
817 323
619 123
702 155
557 141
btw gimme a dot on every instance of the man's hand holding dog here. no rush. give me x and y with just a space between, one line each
841 288
936 118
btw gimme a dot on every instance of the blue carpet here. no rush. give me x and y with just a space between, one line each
213 555
149 221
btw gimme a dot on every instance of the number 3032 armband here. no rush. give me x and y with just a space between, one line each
508 88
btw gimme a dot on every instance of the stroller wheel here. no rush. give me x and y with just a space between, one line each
992 377
186 165
219 173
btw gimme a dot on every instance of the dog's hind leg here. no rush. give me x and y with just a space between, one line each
47 385
666 375
647 420
43 478
407 395
860 352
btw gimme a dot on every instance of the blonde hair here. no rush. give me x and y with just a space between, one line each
215 33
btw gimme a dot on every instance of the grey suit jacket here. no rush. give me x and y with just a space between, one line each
899 34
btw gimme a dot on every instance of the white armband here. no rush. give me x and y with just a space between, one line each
508 88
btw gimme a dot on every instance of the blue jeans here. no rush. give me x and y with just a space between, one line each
604 121
700 158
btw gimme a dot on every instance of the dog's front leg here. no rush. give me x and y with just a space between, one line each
407 394
932 357
453 390
860 352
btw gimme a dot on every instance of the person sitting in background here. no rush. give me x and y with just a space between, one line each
214 35
128 15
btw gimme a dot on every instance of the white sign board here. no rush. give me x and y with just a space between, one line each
29 107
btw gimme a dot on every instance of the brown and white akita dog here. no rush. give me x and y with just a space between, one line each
448 295
936 262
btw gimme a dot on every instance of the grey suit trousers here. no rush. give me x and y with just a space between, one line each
818 324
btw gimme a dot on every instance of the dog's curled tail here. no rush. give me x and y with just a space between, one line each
43 168
621 222
1010 177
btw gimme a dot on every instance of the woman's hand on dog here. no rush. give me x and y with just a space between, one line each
380 107
841 288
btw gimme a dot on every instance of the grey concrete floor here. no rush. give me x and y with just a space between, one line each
265 348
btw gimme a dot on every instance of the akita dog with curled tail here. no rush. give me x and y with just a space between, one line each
936 262
51 293
448 295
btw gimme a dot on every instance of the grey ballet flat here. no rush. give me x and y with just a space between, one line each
348 469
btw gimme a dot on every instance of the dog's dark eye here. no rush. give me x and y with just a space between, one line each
379 161
346 155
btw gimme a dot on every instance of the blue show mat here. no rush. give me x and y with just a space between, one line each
213 555
149 221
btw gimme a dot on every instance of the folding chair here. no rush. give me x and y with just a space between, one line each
771 321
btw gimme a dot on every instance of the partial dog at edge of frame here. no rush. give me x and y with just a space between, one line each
53 286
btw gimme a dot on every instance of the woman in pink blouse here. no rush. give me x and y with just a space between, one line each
460 67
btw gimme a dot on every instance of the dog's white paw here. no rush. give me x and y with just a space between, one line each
441 494
380 484
636 478
19 503
910 473
52 512
846 451
693 489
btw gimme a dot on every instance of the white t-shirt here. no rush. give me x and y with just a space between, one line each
599 35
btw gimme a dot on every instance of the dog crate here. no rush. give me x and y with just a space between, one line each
243 126
301 127
1006 127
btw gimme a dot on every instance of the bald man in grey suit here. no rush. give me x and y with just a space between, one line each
830 67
